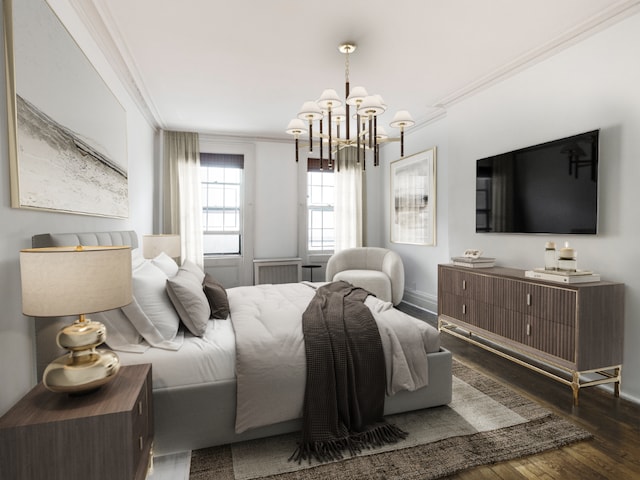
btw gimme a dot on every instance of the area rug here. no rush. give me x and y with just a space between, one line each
486 422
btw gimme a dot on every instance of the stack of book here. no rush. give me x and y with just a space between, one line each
579 276
480 262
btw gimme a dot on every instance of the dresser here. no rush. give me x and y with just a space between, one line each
576 329
103 435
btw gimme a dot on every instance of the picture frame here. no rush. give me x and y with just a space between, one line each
413 199
67 130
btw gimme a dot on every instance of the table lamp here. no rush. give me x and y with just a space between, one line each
61 281
153 245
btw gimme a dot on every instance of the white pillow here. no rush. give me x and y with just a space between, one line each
194 269
189 299
147 329
151 311
137 259
121 334
167 264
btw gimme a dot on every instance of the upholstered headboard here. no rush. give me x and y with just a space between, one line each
126 237
47 328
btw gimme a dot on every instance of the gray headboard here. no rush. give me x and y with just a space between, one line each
47 328
126 237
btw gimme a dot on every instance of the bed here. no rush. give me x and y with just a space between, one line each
196 390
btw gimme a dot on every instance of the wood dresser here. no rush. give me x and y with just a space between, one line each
574 328
104 435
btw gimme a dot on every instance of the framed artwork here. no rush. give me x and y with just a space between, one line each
67 131
413 199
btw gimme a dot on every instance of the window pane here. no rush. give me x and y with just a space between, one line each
230 220
221 199
233 175
232 196
327 220
320 198
328 179
221 244
216 174
213 221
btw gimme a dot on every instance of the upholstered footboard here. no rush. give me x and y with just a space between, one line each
189 418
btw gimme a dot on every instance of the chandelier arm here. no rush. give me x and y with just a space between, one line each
337 147
347 109
358 137
370 131
330 163
375 142
364 143
321 144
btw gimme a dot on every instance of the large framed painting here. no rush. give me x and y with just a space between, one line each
413 199
67 130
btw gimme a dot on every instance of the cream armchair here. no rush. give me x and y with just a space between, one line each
378 270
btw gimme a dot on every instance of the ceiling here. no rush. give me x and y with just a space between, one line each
244 67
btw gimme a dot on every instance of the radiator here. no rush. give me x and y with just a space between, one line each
277 270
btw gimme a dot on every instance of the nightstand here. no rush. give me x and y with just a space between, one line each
104 435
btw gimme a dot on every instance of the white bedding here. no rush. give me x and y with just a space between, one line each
207 359
271 360
275 312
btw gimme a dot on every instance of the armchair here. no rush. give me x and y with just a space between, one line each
378 270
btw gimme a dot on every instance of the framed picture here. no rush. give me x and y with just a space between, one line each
67 131
413 199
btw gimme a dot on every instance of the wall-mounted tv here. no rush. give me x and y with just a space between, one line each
546 188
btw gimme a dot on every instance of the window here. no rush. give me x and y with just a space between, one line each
320 201
221 176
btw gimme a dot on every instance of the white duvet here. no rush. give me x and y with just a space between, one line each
270 354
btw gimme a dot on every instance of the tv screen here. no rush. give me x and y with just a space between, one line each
546 188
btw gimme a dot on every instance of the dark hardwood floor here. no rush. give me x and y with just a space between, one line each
612 453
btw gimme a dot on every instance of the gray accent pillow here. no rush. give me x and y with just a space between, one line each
190 302
217 297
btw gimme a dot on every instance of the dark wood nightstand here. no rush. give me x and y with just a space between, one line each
106 434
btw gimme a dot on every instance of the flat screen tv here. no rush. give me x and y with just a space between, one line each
546 188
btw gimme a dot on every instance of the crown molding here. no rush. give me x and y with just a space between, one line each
589 27
101 26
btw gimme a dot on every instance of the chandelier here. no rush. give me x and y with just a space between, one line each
367 136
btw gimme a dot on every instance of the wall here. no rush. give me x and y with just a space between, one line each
420 262
590 85
272 205
17 358
277 202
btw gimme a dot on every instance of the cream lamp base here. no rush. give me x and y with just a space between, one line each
84 369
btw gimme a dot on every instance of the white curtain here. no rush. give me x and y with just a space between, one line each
349 201
182 212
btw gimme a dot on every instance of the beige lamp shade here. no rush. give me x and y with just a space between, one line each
402 119
329 99
60 281
154 245
296 127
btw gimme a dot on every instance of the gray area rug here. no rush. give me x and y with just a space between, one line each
485 423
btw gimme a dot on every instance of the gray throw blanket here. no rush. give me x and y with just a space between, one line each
345 389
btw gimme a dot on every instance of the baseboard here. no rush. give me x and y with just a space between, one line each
421 300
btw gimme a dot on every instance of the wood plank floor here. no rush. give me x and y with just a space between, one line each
614 451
